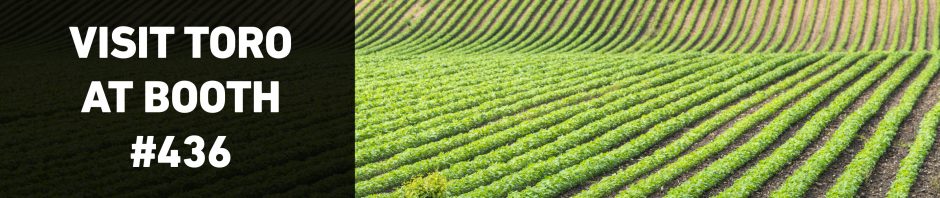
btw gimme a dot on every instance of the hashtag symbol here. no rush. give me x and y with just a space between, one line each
143 152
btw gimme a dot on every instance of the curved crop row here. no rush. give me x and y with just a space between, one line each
659 178
767 167
923 144
487 142
436 26
863 162
723 167
535 118
798 182
571 176
384 146
530 172
608 184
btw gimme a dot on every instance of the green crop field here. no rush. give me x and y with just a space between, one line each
632 98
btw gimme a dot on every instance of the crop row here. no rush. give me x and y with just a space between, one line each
384 146
430 149
436 26
582 150
571 176
798 182
863 162
498 139
608 184
922 145
659 178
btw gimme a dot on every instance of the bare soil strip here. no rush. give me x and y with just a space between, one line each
783 29
758 12
830 26
859 19
904 10
715 17
931 24
773 11
881 32
892 17
809 21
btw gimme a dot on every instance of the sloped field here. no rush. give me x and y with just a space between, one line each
740 26
727 98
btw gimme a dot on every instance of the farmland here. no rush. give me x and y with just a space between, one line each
726 98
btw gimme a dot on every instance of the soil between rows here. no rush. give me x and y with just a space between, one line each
774 182
727 182
708 139
885 170
834 170
928 179
660 144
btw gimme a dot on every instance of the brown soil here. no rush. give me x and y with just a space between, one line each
904 9
711 23
488 24
785 29
884 173
859 19
634 14
810 31
737 11
800 31
871 20
756 33
653 23
705 140
364 12
362 4
828 27
931 12
416 10
483 15
892 16
757 12
648 152
689 23
705 19
844 29
557 18
828 177
881 32
664 22
919 21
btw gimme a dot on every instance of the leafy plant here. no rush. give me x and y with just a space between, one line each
433 185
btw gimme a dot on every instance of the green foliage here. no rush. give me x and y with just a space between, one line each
917 153
865 160
536 98
798 182
433 185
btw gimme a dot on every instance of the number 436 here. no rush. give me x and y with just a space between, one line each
218 157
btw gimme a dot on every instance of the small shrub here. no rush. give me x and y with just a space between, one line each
433 185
